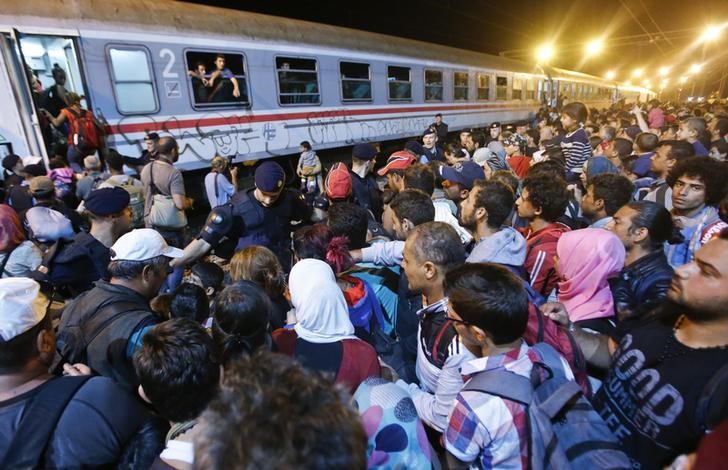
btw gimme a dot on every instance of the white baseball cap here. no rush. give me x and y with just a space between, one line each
22 308
142 244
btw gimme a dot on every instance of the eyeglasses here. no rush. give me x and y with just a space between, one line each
448 315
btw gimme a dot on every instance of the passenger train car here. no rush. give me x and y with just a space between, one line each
253 86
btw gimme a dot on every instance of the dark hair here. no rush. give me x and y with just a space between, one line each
318 242
679 149
114 160
658 222
614 190
497 199
349 220
721 126
413 205
190 301
549 167
623 146
16 353
272 412
438 243
576 110
126 269
178 368
455 149
491 298
420 176
219 56
306 144
556 155
547 193
594 141
712 173
646 141
506 177
240 317
478 138
720 145
210 274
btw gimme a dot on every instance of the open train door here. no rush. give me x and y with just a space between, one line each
31 60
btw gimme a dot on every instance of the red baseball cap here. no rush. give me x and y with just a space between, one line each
338 182
397 161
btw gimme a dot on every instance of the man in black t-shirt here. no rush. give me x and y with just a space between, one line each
258 216
102 425
655 396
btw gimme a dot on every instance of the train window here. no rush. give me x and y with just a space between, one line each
517 89
530 90
483 86
297 81
356 81
501 88
433 85
131 73
460 85
217 78
400 84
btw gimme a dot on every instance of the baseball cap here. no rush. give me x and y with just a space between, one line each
464 173
364 151
23 308
515 139
338 182
142 244
269 177
41 185
107 201
429 130
397 161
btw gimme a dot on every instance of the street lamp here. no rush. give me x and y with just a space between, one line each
683 80
544 53
711 33
664 71
594 47
637 73
610 75
695 68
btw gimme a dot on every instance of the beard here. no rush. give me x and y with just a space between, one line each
468 223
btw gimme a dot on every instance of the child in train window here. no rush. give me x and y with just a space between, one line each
221 81
200 82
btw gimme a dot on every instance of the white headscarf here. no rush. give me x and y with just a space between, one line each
321 310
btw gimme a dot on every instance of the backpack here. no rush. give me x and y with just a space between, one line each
564 429
539 329
84 133
136 199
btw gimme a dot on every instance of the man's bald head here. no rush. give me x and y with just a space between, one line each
168 148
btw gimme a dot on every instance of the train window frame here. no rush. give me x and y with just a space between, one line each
531 85
225 104
369 80
520 81
501 87
465 87
426 86
278 82
112 76
488 77
389 89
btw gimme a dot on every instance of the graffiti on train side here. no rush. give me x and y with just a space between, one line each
219 134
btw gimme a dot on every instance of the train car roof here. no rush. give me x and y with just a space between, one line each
170 17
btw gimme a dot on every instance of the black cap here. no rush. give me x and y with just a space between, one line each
107 201
495 125
364 151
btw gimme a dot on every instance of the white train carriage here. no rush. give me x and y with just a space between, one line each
150 66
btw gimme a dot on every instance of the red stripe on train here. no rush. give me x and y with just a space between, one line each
173 124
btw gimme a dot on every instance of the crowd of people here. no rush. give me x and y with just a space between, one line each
547 293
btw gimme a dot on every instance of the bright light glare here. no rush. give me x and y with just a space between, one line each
646 83
695 68
664 71
637 73
683 79
711 33
544 53
610 75
594 47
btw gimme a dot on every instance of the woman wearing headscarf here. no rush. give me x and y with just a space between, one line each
586 259
18 256
323 336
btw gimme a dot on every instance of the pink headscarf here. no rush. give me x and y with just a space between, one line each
11 232
587 258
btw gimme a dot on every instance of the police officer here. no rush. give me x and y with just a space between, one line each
85 260
365 191
494 131
258 216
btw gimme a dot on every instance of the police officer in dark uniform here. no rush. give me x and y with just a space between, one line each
85 260
494 131
365 192
258 216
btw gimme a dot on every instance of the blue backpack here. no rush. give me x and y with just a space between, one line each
565 430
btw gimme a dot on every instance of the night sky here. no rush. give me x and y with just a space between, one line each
644 34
